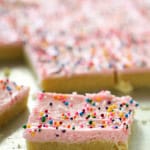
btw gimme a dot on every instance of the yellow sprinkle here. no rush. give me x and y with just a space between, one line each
104 125
121 114
41 113
114 106
18 88
32 133
28 126
109 109
93 124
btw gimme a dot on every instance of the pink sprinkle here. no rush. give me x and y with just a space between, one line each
68 113
76 113
81 126
40 96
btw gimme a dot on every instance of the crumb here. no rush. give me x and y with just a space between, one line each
144 122
19 146
124 87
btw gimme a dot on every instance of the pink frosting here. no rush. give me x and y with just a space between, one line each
80 118
75 41
10 94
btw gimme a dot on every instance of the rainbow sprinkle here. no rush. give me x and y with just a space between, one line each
108 112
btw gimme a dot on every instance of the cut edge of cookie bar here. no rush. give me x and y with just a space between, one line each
11 52
136 77
14 110
80 83
95 145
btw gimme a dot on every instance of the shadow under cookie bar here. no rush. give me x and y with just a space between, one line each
137 77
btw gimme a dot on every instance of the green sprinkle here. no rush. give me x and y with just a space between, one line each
73 128
43 119
90 122
24 126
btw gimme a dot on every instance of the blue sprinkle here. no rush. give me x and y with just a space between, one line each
116 127
50 121
66 103
131 101
8 88
88 100
130 111
94 104
136 104
126 115
81 113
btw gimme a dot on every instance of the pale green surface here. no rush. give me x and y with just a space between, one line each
11 136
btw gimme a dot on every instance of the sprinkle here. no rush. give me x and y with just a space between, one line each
81 113
90 122
99 108
57 135
73 128
33 133
41 113
60 122
102 115
56 124
46 115
50 122
46 111
93 103
137 105
8 88
76 113
40 126
88 100
43 119
121 114
109 102
39 130
18 88
131 101
41 96
24 126
127 105
28 126
66 103
130 111
88 116
116 127
71 118
81 126
51 104
102 126
121 105
63 131
126 115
